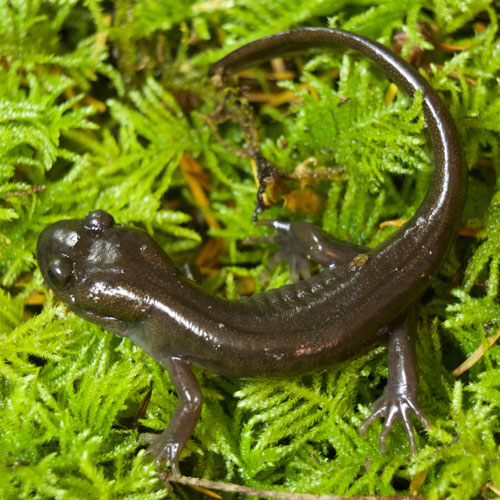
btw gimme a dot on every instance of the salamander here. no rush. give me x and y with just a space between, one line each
118 277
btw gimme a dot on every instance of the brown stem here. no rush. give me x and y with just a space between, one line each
237 488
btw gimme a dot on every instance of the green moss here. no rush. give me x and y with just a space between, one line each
97 108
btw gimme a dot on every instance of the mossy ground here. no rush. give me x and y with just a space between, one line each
105 105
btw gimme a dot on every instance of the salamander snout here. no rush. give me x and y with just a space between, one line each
68 245
54 253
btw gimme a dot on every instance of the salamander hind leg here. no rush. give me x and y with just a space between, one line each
167 446
399 399
302 241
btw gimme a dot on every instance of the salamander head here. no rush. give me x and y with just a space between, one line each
101 270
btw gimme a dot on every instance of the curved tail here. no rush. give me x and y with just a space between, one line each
441 208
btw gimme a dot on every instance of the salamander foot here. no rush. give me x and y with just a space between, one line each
164 452
393 406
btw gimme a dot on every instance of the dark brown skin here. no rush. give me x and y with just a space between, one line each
119 278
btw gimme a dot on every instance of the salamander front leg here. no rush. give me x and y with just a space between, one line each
399 399
302 241
167 446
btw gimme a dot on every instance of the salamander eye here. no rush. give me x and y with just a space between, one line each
60 270
98 220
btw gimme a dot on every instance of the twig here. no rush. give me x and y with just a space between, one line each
237 488
475 356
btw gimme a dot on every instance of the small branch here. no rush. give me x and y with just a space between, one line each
475 356
26 192
236 488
